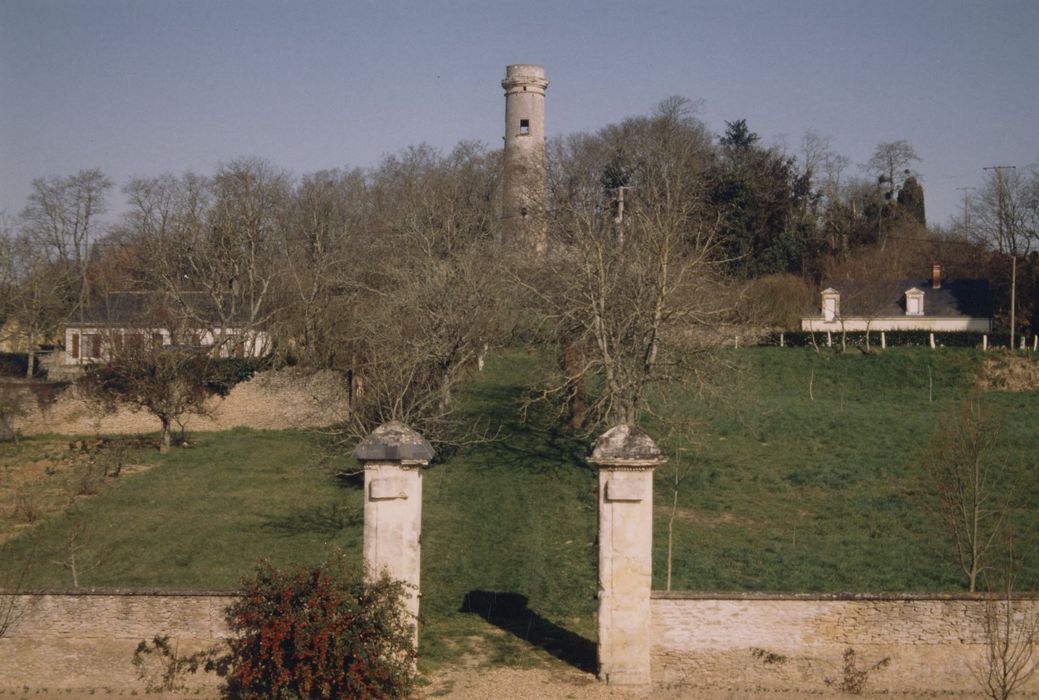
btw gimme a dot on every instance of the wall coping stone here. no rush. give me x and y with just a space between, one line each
887 596
155 592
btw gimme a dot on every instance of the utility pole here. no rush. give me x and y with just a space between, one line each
1011 242
966 209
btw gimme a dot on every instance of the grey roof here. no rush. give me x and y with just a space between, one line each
955 298
392 442
625 443
150 308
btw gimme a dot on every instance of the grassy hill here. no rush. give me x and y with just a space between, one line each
805 475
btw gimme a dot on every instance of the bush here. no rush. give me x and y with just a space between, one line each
225 372
14 364
312 634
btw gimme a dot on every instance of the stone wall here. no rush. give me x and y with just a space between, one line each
796 643
740 643
276 400
85 640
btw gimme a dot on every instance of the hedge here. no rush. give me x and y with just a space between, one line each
14 364
225 372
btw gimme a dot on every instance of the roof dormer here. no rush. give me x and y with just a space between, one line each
914 302
831 304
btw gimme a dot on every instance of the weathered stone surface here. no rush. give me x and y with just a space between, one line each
392 442
624 444
393 457
86 640
934 645
625 456
523 167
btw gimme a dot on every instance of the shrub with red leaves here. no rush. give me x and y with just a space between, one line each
313 634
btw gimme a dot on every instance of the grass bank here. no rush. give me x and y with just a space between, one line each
805 476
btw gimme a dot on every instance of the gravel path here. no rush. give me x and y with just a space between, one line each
473 683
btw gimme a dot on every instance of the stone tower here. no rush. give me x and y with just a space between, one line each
523 186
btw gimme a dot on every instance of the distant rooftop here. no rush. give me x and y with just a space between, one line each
150 308
970 298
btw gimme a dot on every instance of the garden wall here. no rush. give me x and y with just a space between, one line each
274 400
85 640
935 644
741 643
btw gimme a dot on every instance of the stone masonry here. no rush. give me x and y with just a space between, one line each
393 457
932 644
625 457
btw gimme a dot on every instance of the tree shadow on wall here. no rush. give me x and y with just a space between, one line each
509 612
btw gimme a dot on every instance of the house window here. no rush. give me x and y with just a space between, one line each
91 346
524 127
75 346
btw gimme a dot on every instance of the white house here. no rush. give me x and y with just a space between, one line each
904 305
126 319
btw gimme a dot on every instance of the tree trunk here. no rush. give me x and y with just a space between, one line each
31 354
572 361
164 441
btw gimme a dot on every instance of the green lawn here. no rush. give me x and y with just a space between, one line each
778 492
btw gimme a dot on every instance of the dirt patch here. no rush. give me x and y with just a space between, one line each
40 478
567 682
1005 371
290 398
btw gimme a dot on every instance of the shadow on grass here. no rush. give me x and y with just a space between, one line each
351 480
327 521
509 612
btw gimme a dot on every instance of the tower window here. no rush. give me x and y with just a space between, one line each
524 127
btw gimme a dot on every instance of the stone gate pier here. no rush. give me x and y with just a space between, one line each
393 457
625 457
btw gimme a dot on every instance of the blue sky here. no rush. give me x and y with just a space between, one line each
150 86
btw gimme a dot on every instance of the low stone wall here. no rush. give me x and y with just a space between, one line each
276 400
85 640
933 644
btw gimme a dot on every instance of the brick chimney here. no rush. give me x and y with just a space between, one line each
936 276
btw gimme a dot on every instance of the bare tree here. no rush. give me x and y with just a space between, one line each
1018 232
632 289
216 239
890 164
429 298
62 217
167 382
963 474
11 583
1011 636
38 295
320 246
